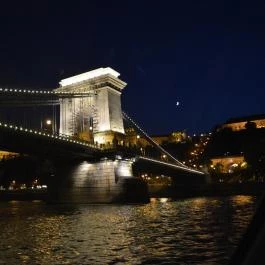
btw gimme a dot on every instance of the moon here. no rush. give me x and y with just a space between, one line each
177 103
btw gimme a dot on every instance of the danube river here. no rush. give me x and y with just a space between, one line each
189 231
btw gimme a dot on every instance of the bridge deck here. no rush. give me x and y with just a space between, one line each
27 141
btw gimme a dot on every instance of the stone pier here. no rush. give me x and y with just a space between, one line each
106 181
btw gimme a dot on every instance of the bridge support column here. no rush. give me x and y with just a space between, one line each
101 182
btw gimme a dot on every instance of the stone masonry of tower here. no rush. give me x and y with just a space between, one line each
91 108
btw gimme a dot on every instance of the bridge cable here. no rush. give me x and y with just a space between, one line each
150 140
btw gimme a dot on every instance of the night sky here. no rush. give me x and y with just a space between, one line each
207 55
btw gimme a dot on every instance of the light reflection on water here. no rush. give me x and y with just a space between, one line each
190 231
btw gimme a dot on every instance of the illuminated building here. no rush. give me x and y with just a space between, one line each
238 124
7 155
132 138
174 137
227 164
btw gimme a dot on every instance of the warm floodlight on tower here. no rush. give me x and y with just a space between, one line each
97 109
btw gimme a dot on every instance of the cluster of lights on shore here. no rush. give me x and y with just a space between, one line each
61 137
153 178
34 186
198 149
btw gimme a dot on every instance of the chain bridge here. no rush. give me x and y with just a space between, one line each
86 140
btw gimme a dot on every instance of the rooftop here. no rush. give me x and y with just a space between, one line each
89 75
246 118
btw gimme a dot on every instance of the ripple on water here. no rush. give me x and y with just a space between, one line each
193 231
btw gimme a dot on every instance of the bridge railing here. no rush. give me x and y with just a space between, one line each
185 168
19 91
57 136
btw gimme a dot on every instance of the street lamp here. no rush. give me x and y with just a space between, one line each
47 125
48 122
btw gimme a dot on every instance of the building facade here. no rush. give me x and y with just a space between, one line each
227 164
132 138
238 124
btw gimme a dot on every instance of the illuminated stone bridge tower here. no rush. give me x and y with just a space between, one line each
91 107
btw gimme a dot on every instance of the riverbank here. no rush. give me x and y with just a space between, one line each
210 190
23 195
159 191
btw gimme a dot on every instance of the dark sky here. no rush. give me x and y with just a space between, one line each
207 55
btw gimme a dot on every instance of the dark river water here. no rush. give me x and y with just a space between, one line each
190 231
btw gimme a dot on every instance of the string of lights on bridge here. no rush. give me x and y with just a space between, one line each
55 136
68 139
78 142
27 91
170 164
